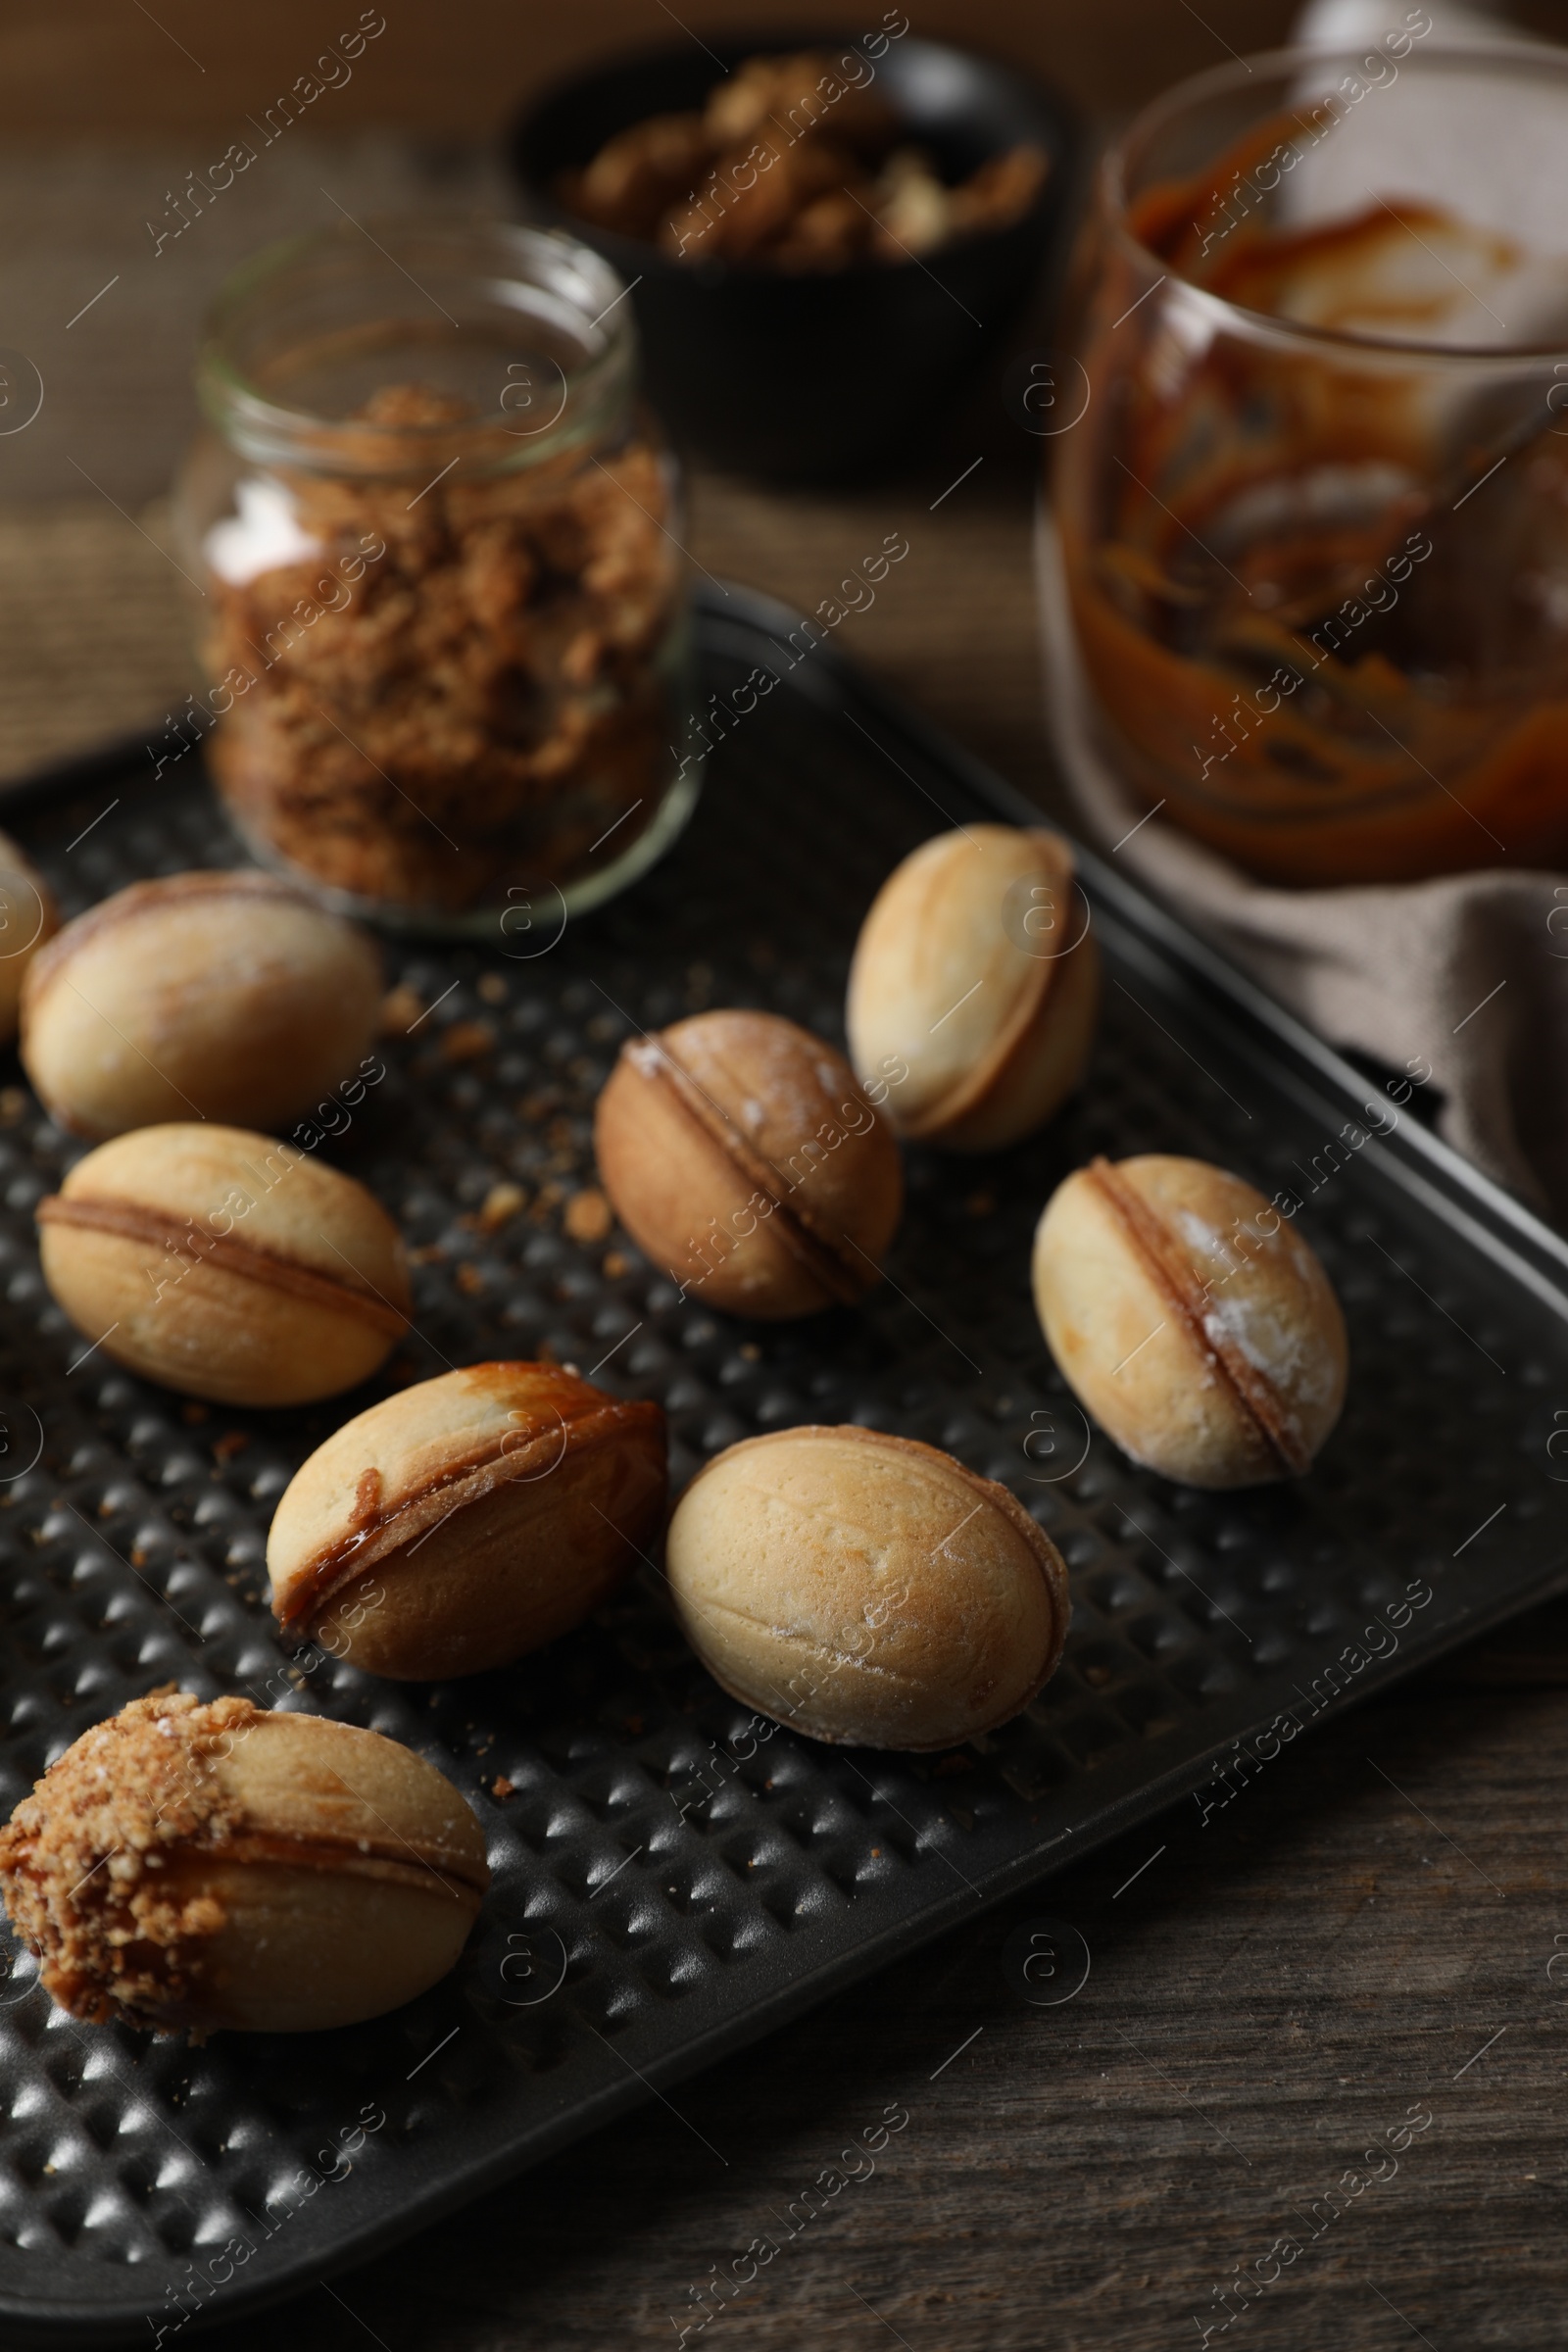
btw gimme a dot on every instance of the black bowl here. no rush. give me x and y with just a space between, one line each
819 376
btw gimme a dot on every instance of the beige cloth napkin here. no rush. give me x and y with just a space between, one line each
1469 973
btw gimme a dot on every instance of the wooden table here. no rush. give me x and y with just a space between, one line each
1364 1940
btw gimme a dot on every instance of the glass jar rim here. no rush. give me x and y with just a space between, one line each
1340 343
496 251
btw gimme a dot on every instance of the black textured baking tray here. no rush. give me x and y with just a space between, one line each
669 1883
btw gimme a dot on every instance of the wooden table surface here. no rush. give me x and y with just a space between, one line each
1362 1945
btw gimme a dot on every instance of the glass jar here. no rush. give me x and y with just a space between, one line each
1314 518
445 627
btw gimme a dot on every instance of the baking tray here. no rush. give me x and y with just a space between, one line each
667 1885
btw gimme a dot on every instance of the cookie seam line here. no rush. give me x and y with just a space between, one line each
812 1247
318 1580
132 1221
1148 1233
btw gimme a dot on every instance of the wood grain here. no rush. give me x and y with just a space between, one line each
110 67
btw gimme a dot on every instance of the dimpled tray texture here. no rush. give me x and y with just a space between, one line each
672 1878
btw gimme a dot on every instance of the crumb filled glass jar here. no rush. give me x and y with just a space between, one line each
444 625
